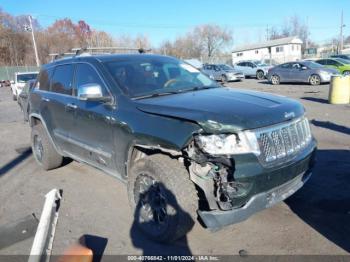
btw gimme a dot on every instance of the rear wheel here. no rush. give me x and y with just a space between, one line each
163 198
346 73
260 75
44 152
315 80
275 80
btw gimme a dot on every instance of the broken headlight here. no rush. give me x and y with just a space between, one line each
229 144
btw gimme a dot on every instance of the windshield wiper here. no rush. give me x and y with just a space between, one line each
196 88
154 95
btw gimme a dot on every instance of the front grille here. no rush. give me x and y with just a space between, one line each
281 143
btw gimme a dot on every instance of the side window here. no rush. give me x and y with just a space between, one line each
43 82
333 63
86 74
62 80
322 62
286 66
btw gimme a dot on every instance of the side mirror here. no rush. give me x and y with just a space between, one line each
91 92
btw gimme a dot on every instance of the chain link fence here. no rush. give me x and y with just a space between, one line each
8 72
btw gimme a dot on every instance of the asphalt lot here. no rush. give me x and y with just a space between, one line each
316 220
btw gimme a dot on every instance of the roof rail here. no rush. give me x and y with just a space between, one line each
55 56
108 50
83 51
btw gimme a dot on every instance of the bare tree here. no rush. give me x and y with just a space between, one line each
212 38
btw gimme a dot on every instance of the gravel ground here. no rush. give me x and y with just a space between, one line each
316 220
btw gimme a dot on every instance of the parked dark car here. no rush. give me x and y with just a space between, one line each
23 98
347 57
301 72
182 143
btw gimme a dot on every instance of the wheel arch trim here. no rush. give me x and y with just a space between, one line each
31 117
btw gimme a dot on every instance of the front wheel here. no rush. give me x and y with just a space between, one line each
275 80
163 198
315 80
260 75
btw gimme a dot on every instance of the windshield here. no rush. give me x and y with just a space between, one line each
343 61
225 67
23 78
141 76
312 65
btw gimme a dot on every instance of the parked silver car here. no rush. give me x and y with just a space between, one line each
222 72
253 68
303 71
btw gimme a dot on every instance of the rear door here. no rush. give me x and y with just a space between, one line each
91 135
242 66
55 107
284 72
251 69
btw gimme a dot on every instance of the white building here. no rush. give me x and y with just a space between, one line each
279 50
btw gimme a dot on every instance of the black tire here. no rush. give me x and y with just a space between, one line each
175 212
44 152
224 79
260 75
346 73
275 80
315 80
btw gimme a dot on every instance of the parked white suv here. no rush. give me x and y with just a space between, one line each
253 68
21 78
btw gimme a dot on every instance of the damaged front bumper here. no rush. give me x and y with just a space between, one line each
216 219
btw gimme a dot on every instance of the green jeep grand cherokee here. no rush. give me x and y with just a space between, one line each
183 144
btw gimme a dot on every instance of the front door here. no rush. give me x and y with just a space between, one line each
298 73
91 135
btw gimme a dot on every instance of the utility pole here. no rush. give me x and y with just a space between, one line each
267 33
307 34
341 40
34 43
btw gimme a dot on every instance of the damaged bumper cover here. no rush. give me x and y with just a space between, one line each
216 219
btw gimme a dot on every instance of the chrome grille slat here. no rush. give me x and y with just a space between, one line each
282 142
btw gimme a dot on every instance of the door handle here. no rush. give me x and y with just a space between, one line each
45 99
71 106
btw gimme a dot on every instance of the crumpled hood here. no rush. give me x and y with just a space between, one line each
224 109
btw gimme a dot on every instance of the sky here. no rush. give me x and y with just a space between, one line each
166 20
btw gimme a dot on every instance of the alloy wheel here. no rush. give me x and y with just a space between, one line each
275 80
315 80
